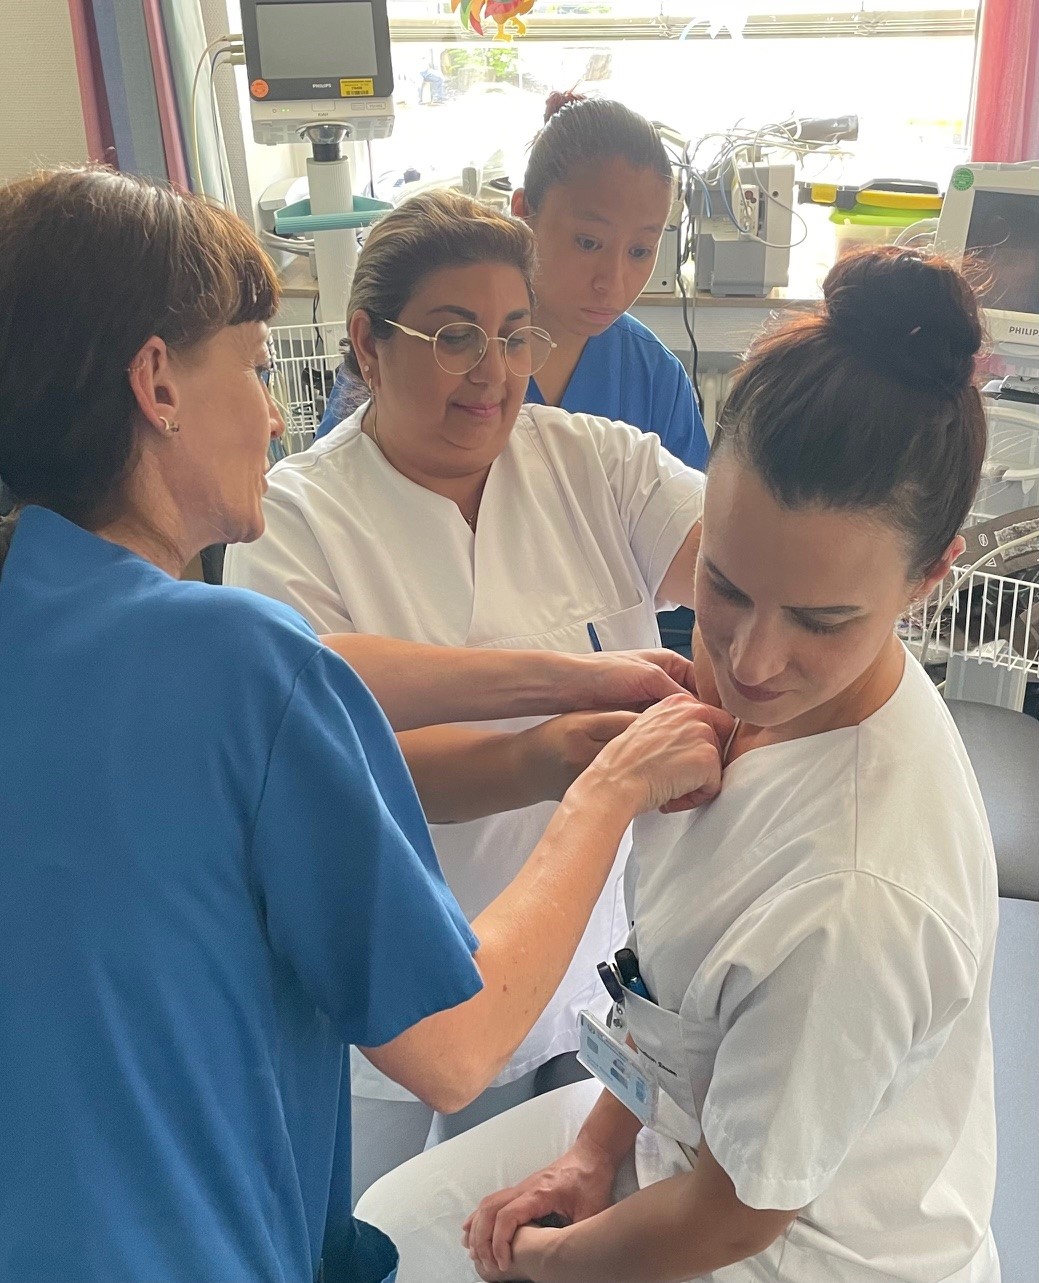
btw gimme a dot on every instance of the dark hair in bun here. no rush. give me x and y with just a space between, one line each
580 130
868 402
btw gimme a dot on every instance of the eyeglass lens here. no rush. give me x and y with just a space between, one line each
460 348
268 374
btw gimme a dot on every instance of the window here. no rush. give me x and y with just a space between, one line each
903 67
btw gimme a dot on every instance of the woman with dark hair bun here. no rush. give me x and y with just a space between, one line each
799 1074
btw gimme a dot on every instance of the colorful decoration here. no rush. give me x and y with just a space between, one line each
504 13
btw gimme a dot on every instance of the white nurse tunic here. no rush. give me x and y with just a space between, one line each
819 942
579 522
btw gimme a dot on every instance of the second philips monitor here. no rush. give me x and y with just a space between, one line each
312 49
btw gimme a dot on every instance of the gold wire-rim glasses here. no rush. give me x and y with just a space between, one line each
532 344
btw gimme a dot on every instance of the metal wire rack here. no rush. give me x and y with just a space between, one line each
991 619
306 360
984 617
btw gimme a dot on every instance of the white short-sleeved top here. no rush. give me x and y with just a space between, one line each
825 932
580 520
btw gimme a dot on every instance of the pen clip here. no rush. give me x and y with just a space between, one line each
613 986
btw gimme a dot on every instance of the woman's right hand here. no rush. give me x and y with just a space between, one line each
670 758
574 1187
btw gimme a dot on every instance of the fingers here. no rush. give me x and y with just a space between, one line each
721 722
479 1228
603 727
507 1222
676 666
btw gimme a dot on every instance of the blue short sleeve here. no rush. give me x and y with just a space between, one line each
351 894
681 426
346 395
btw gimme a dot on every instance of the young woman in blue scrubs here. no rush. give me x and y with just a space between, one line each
597 193
215 871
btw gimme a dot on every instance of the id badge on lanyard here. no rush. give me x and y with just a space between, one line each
616 1066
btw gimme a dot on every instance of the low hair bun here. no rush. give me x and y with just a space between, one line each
558 99
910 316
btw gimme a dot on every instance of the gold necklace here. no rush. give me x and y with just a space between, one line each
469 521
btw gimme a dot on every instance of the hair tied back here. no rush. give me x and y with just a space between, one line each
558 99
876 300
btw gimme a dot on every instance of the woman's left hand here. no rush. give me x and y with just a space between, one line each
528 1249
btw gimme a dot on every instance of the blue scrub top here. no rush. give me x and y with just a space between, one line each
625 373
214 873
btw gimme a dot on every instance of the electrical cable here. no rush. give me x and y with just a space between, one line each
744 146
685 255
371 171
226 43
290 244
226 182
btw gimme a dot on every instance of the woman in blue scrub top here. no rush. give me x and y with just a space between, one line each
215 871
597 193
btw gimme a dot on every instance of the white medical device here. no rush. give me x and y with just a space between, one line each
320 71
742 205
991 215
318 62
990 220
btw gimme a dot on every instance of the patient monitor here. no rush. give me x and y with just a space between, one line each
320 71
318 61
991 216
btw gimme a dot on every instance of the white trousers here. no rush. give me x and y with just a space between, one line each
422 1205
387 1133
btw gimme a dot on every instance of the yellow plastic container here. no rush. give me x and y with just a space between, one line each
879 218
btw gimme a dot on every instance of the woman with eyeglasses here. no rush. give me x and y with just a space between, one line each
446 511
597 193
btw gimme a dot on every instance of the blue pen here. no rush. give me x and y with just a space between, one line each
628 970
593 637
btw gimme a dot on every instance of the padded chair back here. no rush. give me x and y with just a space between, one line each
1003 747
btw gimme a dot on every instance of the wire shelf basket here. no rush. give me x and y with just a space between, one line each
991 619
306 360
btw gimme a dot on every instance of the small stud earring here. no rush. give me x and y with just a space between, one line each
168 427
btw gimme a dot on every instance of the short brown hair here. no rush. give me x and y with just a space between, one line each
92 264
427 233
868 403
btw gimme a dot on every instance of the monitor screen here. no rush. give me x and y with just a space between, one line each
316 41
1003 235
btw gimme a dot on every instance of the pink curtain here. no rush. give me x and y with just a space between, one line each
96 121
1006 100
172 141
